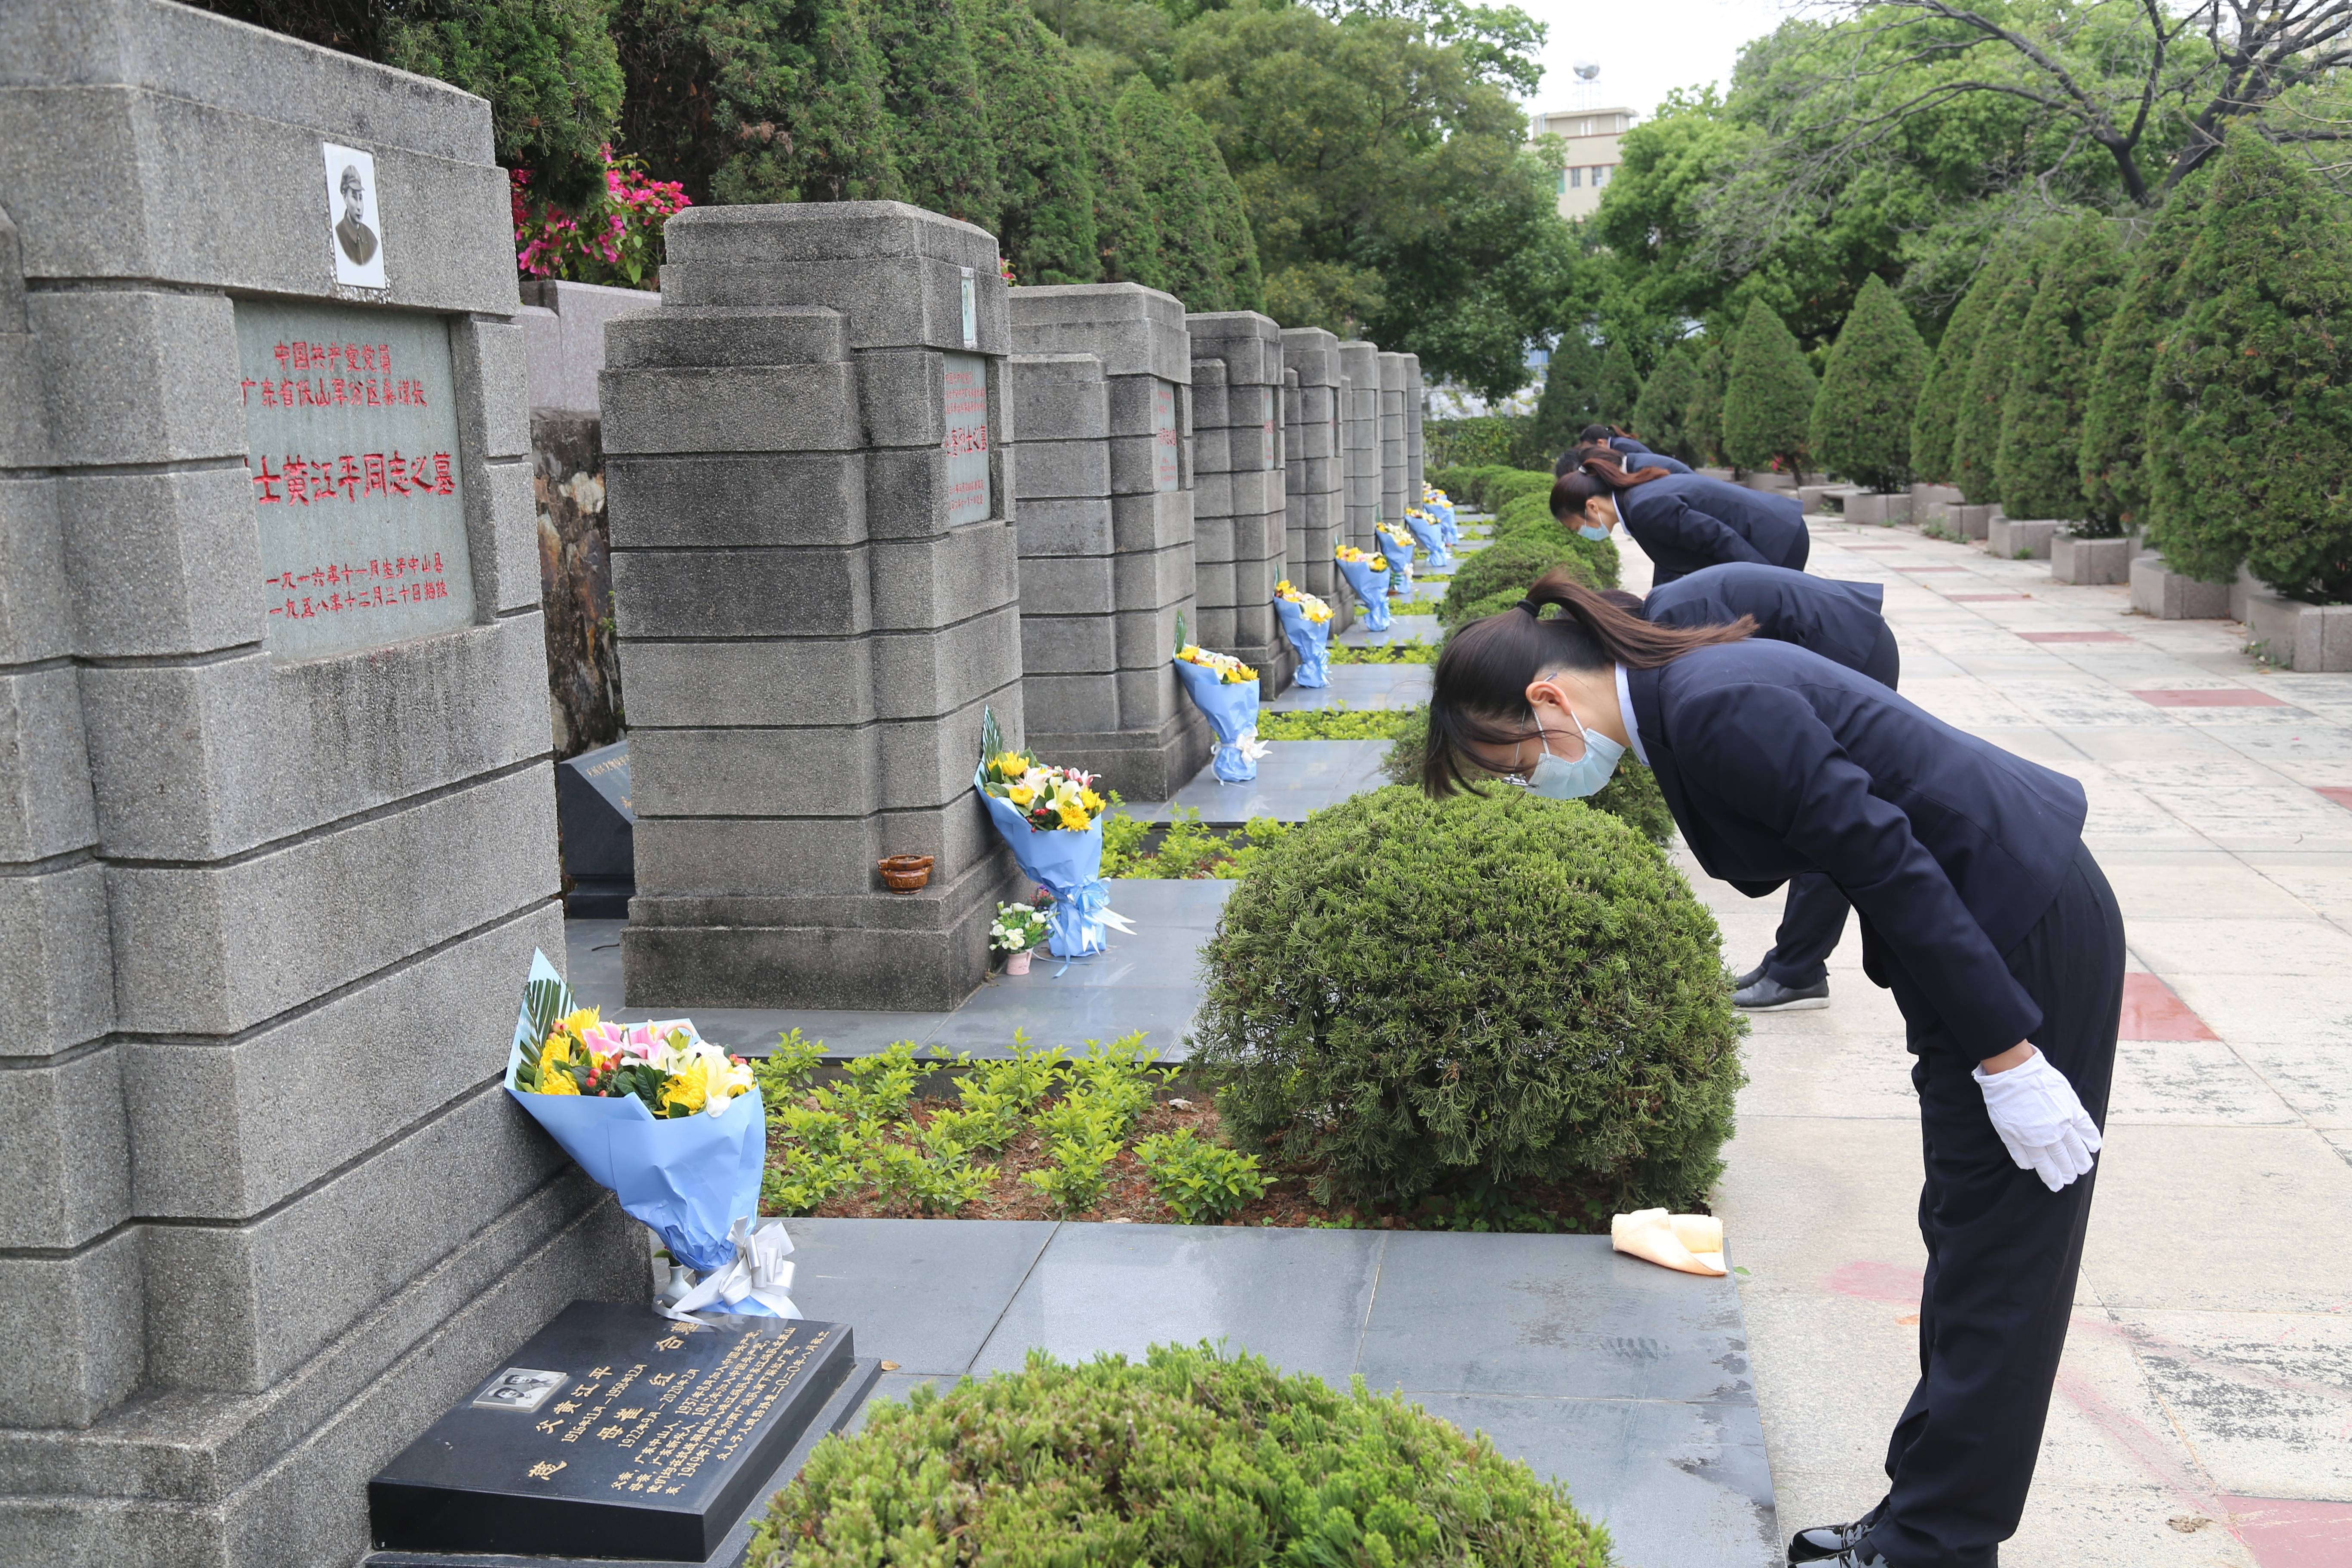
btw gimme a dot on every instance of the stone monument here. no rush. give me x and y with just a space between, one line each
1416 468
1103 398
1316 478
1359 438
809 491
1394 496
1238 516
280 812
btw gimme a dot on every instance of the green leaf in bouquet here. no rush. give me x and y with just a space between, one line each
992 739
1180 631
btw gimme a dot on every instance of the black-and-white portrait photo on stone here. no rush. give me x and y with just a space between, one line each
519 1388
355 222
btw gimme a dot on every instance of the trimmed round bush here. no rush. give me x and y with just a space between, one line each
1508 563
1191 1457
1407 995
2039 467
1630 795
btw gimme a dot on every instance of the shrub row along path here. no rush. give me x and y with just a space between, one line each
2204 1410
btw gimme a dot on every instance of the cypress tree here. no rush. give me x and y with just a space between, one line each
1976 433
939 129
2250 403
1661 415
1703 420
1768 399
1177 184
2038 467
1030 93
1571 392
1932 427
756 100
1127 222
1229 227
2110 461
1870 390
1620 385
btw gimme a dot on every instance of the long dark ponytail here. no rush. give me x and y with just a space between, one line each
1479 692
1596 476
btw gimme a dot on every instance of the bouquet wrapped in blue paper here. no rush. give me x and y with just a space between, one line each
1225 691
1397 545
1366 577
1440 505
673 1127
1306 622
1052 818
1424 529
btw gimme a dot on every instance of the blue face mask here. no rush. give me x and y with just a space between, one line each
1556 778
1587 530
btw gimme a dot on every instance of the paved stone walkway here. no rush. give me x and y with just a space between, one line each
2204 1409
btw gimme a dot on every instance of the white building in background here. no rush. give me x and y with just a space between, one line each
1592 136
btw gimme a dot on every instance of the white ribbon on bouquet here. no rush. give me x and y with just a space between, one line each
759 1270
1250 746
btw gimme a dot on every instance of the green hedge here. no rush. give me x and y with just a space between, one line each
1504 440
1408 995
1193 1458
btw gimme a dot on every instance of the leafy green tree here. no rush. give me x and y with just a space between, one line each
1127 223
1030 92
1870 388
2250 403
1767 400
2111 461
1388 179
550 67
1661 414
939 128
1936 422
1975 432
756 100
1703 419
1621 385
2057 354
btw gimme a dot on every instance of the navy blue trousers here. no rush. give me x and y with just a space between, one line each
1814 916
2003 1249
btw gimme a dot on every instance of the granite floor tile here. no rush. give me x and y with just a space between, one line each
925 1293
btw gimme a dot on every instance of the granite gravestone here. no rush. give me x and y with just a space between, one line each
613 1432
242 853
596 821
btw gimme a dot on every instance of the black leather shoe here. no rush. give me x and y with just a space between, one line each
1768 995
1825 1542
1751 977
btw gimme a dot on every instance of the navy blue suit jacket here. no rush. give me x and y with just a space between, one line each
1643 457
1838 620
1776 761
1689 522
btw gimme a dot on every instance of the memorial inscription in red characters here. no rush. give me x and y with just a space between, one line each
1167 461
353 452
964 405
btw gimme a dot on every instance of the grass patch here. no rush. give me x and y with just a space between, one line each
1342 723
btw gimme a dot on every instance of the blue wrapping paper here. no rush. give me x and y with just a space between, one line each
1371 591
1312 640
1231 712
1447 522
1426 535
688 1178
1067 863
1400 563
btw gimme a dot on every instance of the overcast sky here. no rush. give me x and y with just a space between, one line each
1644 50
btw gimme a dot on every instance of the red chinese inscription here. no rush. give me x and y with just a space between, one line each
383 582
303 481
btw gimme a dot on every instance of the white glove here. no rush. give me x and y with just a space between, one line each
2040 1120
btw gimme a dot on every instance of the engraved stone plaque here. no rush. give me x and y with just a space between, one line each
1266 425
657 1437
350 422
965 405
1167 469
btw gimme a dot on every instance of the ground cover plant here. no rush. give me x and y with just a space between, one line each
1410 997
1192 1457
1185 850
1412 650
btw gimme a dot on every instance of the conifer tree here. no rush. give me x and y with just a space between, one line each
2250 402
756 100
1768 399
1870 390
1030 94
1620 385
1235 245
1703 421
1571 392
939 129
2110 461
1933 427
1206 257
1661 414
1127 223
2058 350
1976 432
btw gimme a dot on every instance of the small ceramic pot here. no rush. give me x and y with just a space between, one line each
904 873
1016 962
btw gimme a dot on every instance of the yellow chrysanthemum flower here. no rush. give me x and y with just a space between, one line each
1091 801
1074 816
688 1089
557 1083
1011 765
1019 794
575 1022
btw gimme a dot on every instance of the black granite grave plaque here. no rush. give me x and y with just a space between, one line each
614 1432
598 824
